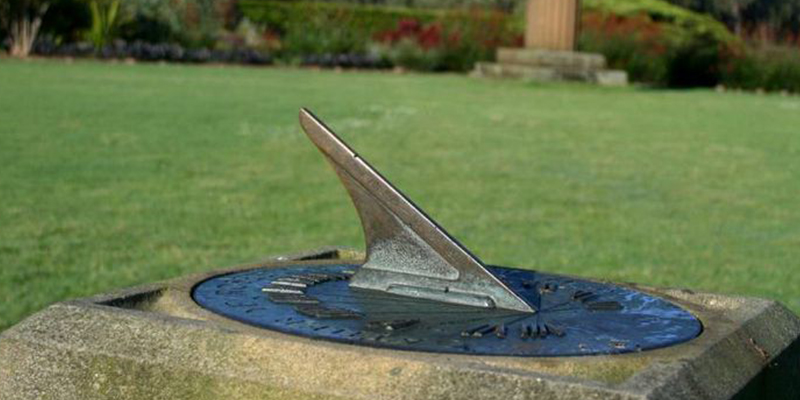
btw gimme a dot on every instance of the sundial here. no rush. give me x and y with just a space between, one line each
420 289
416 316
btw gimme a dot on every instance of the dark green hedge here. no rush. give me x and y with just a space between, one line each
281 16
770 68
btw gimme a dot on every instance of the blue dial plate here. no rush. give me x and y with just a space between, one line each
575 317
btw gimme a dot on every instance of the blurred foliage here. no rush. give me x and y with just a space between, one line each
330 28
678 23
773 20
104 21
151 20
697 62
503 5
657 42
194 23
66 20
635 44
666 45
317 27
21 21
439 46
767 67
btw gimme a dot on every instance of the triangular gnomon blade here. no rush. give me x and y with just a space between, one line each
407 252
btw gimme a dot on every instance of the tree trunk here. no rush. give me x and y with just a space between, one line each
736 11
23 31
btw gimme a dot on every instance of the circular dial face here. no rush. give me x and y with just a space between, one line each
574 317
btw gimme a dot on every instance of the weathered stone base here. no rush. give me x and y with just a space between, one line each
154 342
549 66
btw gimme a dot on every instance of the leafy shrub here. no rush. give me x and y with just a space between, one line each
320 28
783 74
192 23
635 44
247 35
452 45
282 16
413 45
66 20
203 21
141 26
151 21
696 62
679 23
504 5
770 68
657 42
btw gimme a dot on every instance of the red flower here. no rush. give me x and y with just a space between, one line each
408 27
430 36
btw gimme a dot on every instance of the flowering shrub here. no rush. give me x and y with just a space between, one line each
449 45
657 42
659 50
679 23
426 36
636 44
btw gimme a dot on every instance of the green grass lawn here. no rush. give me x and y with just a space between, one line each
113 175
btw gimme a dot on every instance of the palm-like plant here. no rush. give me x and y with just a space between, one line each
104 21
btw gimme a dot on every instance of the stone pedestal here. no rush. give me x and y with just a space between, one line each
155 342
550 34
549 65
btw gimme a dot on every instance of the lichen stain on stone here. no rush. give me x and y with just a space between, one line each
347 372
606 371
118 378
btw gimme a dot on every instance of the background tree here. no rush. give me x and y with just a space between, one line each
766 19
735 9
774 19
22 20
